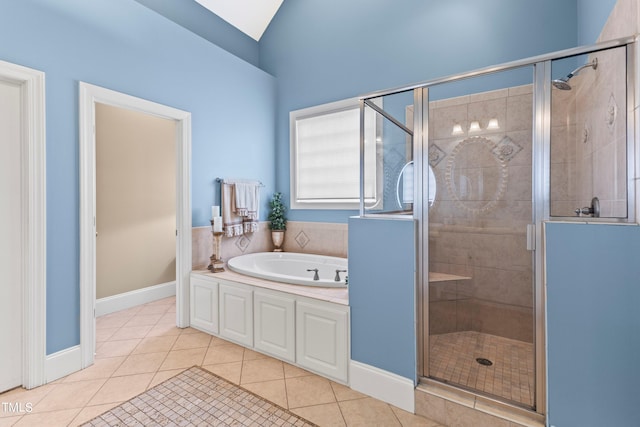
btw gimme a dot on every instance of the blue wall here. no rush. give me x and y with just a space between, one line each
122 45
593 295
327 50
382 267
195 17
592 15
593 322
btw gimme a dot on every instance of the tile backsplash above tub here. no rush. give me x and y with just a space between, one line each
320 238
202 244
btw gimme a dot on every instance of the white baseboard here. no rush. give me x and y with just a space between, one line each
62 363
131 299
383 385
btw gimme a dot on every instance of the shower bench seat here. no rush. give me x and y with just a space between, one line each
445 277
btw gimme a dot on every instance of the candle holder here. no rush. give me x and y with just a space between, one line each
216 265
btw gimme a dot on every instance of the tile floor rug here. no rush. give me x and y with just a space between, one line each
197 397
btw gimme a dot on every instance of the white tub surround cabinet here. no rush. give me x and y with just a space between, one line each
204 305
310 333
235 309
322 338
274 324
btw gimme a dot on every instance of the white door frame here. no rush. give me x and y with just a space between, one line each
34 227
89 95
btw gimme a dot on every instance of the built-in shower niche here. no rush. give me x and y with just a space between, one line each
480 151
589 134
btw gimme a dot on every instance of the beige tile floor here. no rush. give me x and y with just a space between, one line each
141 347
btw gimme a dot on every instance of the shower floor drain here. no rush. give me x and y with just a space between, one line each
484 362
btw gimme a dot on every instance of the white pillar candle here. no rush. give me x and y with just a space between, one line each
217 224
215 211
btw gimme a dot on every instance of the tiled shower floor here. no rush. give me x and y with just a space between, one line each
453 360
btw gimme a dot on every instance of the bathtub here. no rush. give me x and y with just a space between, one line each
289 267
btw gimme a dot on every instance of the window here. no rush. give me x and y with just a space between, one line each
325 156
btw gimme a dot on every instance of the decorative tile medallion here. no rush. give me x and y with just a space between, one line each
393 164
506 149
302 239
435 155
459 156
612 112
242 243
586 132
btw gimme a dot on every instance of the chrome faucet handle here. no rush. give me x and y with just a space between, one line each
315 275
593 210
337 278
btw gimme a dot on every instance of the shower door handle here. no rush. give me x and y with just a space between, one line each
531 237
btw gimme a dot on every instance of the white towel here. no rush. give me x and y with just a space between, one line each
240 201
247 199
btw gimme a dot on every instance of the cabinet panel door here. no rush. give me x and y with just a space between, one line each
274 326
204 305
321 340
236 314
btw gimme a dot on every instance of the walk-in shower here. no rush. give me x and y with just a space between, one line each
506 148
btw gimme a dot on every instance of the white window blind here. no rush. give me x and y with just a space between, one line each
326 163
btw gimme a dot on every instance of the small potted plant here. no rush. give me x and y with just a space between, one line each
278 221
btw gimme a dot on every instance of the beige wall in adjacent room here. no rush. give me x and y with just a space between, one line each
135 200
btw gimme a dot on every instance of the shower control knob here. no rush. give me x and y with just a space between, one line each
583 211
593 210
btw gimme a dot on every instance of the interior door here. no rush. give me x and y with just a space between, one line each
10 237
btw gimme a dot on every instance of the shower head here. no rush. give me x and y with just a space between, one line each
563 83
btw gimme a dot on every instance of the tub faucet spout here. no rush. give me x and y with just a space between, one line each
337 278
315 274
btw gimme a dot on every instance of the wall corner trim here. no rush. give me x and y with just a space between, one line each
383 385
62 363
34 223
130 299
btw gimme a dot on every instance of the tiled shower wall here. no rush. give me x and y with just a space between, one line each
303 237
482 237
592 117
601 108
623 21
588 139
563 192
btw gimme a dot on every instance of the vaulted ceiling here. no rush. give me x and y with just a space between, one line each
252 17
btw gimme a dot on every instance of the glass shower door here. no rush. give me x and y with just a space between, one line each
479 324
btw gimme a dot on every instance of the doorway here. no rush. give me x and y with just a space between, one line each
135 208
22 227
90 96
